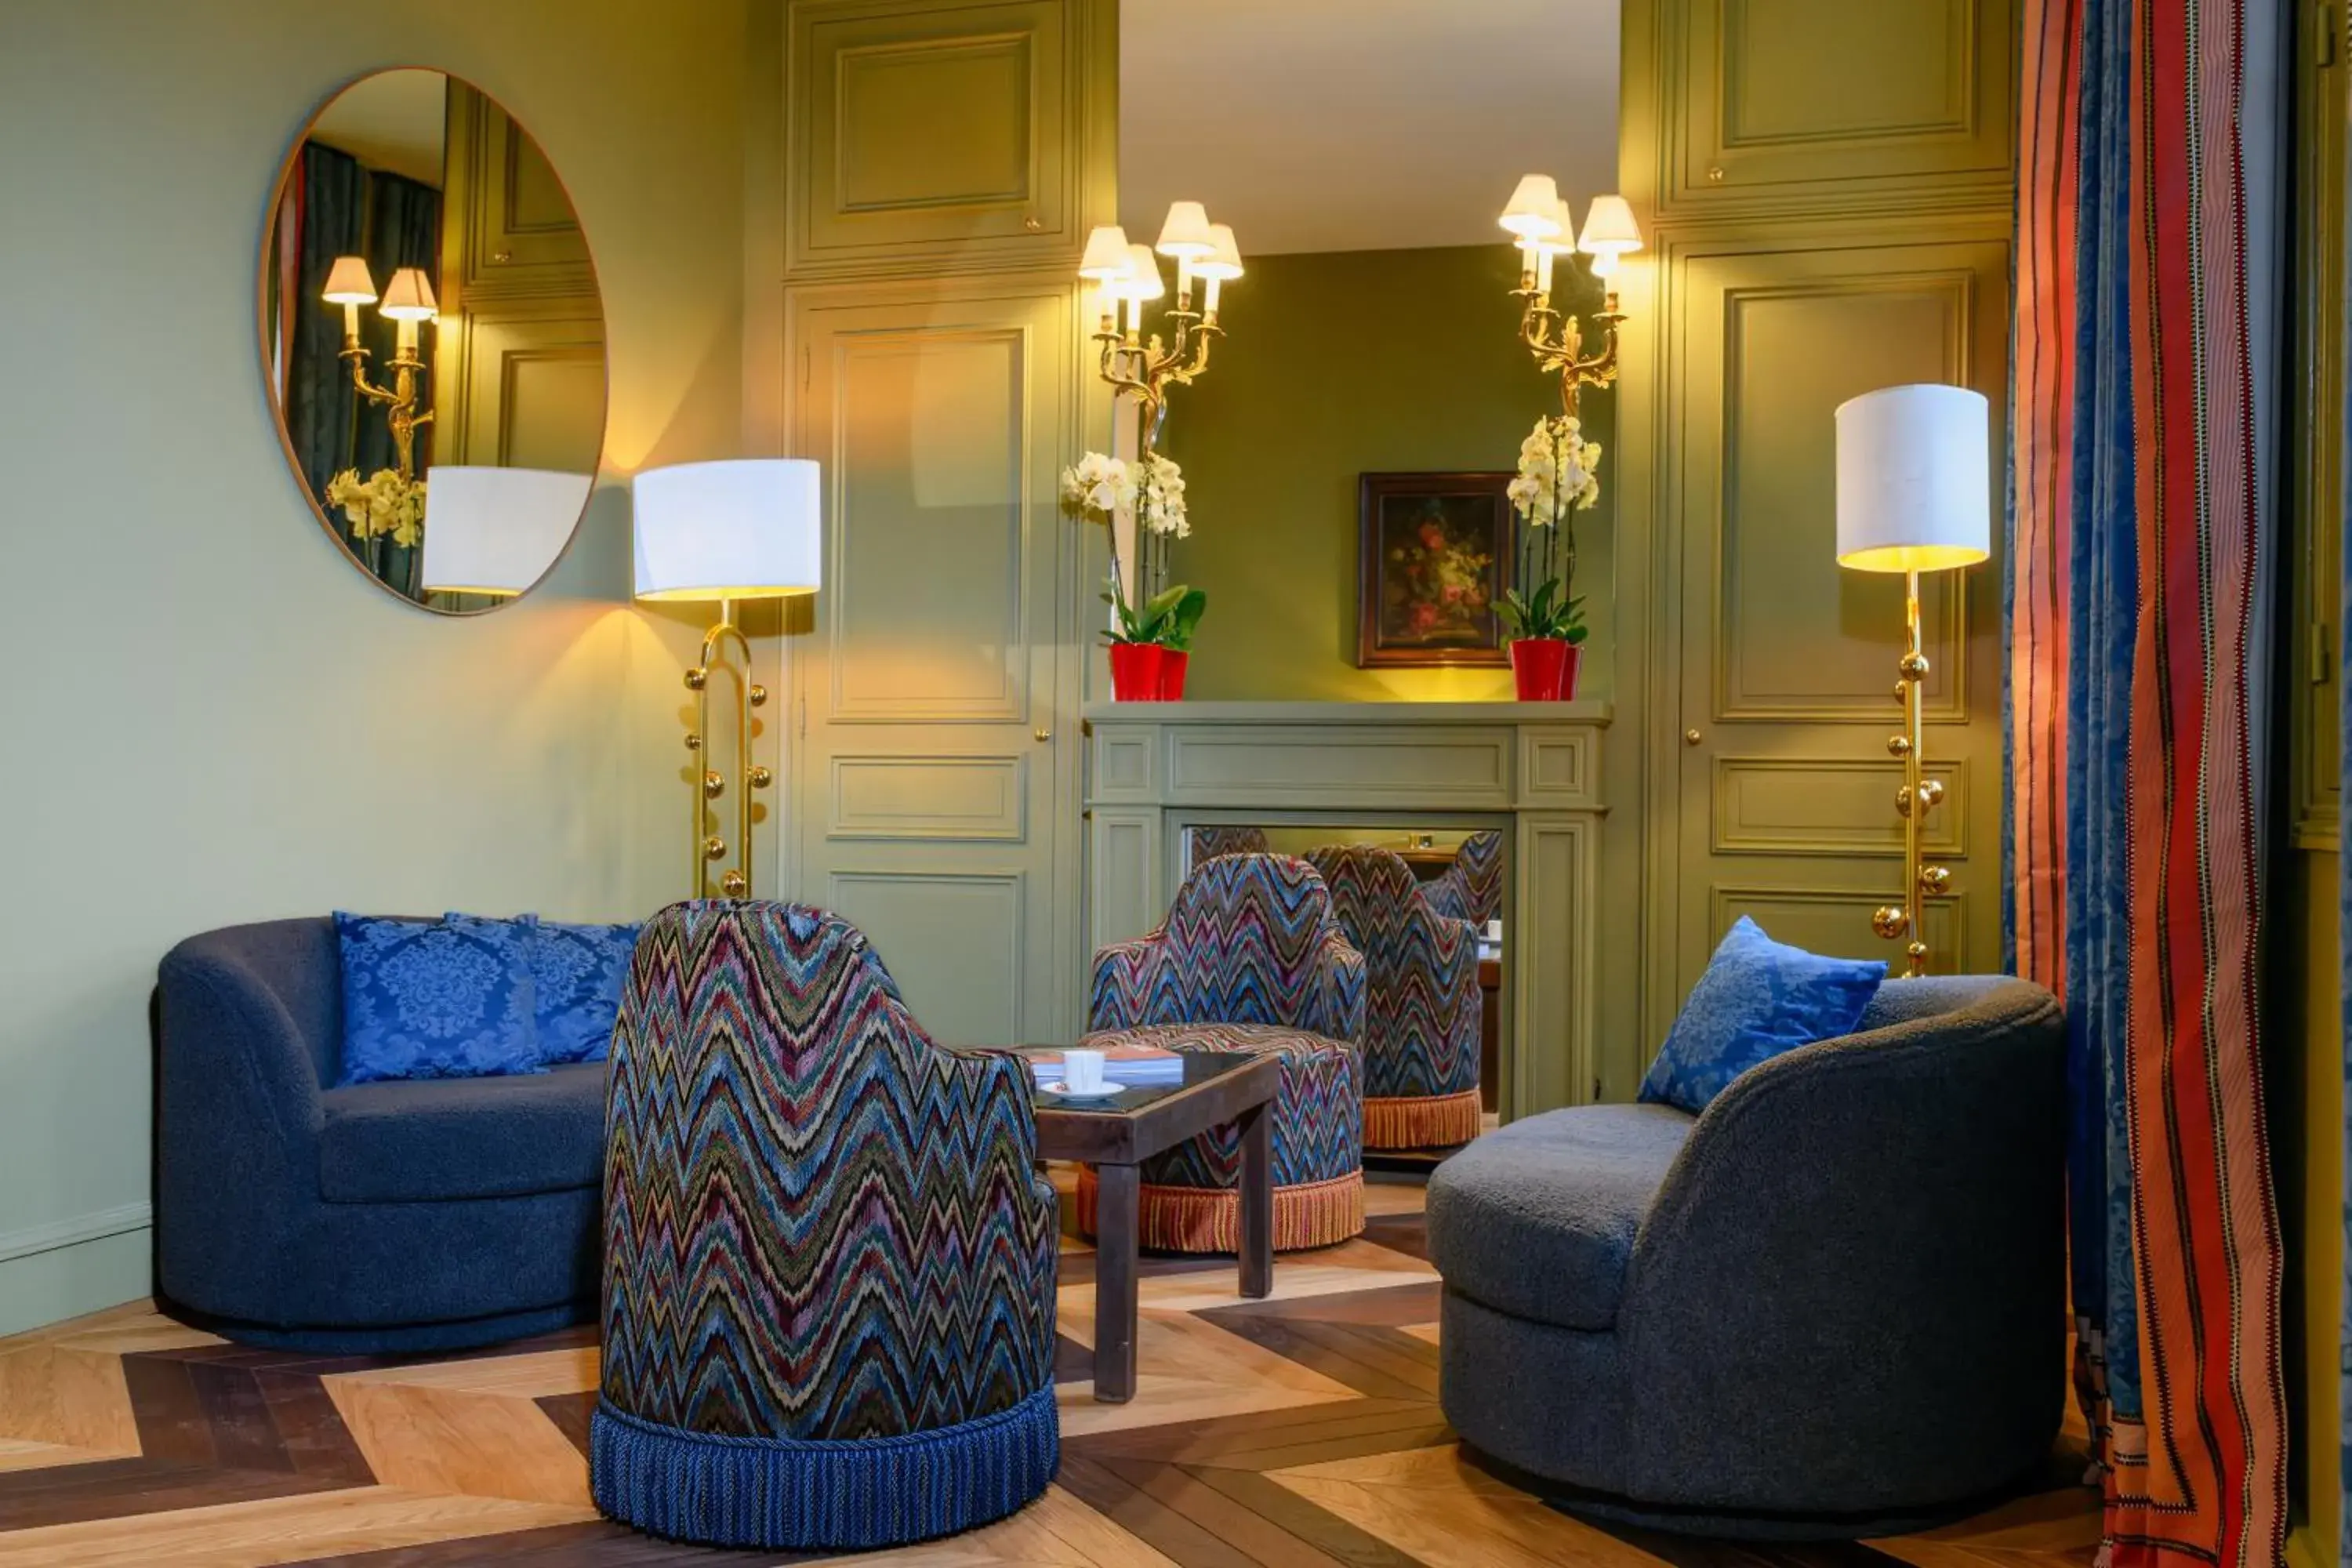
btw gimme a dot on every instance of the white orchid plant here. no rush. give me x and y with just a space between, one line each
383 505
1151 491
1560 476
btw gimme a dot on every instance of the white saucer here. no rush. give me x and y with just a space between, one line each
1060 1091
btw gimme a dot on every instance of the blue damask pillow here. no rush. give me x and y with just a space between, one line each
578 971
435 999
1757 998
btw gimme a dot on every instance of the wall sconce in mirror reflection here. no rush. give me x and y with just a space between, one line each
397 206
1545 231
744 529
1914 494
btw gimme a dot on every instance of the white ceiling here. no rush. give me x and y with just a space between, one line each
1361 124
391 120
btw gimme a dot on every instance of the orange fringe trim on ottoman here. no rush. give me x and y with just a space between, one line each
1209 1219
1432 1121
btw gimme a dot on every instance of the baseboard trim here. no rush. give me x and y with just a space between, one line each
33 1240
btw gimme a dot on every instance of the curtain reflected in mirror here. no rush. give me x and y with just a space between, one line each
433 340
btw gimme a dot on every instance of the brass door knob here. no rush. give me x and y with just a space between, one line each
1042 735
1692 737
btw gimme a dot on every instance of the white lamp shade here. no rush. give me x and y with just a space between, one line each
1186 232
1533 211
1562 240
1106 257
1610 228
1224 262
348 283
744 529
1913 478
408 297
497 530
1143 280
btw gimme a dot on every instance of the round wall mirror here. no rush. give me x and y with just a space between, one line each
433 340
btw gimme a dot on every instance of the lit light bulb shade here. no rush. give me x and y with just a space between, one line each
1224 262
497 530
1143 280
349 283
1532 213
1186 231
746 528
1610 228
408 297
1562 240
1913 478
1106 257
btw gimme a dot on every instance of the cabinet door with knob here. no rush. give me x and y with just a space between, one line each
934 136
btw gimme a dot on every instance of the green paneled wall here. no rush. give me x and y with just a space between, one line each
1336 364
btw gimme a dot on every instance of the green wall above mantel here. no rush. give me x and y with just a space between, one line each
1337 364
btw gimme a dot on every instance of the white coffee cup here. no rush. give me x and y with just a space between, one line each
1082 1071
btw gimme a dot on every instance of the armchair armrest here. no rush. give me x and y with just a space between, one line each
1119 997
1333 1004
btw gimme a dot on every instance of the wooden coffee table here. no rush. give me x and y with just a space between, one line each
1118 1135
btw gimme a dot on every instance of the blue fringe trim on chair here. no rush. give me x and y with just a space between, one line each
786 1494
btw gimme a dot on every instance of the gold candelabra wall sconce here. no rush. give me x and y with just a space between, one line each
1544 232
1127 277
407 301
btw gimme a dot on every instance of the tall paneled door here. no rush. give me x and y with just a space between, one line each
1786 661
933 740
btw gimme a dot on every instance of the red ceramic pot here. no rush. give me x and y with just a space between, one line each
1172 665
1544 668
1135 671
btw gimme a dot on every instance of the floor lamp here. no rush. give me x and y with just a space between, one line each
1914 494
746 529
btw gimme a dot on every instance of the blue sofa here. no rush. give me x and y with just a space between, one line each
382 1218
1833 1305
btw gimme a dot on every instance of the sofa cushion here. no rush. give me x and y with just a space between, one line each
435 999
1757 998
1537 1219
576 972
437 1140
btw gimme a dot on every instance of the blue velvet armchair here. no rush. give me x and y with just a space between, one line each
379 1218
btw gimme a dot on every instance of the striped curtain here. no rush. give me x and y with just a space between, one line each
2141 519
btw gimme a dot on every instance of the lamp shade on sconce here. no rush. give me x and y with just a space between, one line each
1913 478
1105 260
408 297
1143 280
348 283
1533 212
744 529
495 530
1562 240
1609 228
1224 261
1186 233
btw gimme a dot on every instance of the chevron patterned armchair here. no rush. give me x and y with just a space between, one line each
1420 1028
829 1262
1248 960
1471 887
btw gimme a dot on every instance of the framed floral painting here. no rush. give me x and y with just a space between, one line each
1434 554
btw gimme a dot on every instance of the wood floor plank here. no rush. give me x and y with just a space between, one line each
1165 1530
425 1436
601 1545
23 1454
276 1531
122 1488
52 1392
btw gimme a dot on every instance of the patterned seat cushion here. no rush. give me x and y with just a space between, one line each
1318 1108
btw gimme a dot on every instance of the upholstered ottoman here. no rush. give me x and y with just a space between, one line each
1190 1201
1249 959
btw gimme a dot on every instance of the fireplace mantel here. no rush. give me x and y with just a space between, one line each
1529 770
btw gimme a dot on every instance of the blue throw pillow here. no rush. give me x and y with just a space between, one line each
578 971
435 999
1757 998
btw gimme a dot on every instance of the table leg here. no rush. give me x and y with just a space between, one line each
1256 1127
1117 1192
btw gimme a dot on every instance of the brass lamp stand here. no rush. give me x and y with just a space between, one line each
1916 797
710 848
1914 494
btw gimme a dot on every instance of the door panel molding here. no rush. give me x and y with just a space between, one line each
1831 806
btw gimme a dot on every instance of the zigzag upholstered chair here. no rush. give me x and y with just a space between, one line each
1471 887
1248 960
829 1262
1203 844
1421 1026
